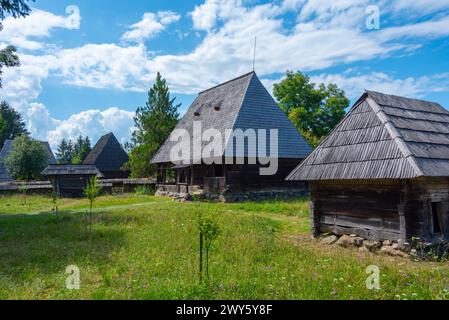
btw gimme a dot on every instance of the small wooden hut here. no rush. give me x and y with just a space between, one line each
70 180
383 173
242 103
109 157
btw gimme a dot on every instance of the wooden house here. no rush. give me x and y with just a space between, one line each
109 157
383 172
70 180
6 149
242 103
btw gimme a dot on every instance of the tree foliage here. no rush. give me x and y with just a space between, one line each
315 110
73 153
27 159
11 123
154 122
17 9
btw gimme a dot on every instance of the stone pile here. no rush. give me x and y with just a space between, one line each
387 247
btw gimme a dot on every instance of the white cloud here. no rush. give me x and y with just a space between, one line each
26 33
355 84
325 33
204 16
93 123
150 25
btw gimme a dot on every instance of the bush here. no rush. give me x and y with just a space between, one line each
145 190
422 251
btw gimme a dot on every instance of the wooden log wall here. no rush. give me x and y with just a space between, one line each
370 211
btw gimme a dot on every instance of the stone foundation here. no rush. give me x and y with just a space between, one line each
235 197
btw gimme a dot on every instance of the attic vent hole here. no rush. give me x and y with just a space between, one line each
197 114
217 108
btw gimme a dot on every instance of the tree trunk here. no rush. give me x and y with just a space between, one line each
201 257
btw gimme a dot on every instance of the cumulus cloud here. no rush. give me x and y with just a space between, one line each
204 16
93 123
150 25
355 84
27 33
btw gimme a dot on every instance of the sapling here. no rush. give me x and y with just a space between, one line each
209 231
91 192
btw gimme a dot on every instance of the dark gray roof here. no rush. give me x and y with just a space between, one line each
107 154
8 145
4 175
242 103
66 169
383 137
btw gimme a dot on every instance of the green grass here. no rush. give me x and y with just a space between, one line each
143 247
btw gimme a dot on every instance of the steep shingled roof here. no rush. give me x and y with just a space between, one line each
242 103
383 137
107 154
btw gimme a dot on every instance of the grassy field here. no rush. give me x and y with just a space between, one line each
143 247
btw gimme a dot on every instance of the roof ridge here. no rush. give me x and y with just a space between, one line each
227 82
395 135
402 97
240 108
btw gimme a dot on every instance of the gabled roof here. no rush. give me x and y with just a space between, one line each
67 169
383 137
107 154
242 103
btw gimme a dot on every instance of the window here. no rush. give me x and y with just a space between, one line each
436 225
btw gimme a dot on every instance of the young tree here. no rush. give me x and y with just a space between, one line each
153 123
27 159
16 8
315 110
12 125
209 231
91 192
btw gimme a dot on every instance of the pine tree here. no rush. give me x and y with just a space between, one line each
153 123
12 125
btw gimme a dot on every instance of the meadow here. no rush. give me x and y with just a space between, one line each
145 247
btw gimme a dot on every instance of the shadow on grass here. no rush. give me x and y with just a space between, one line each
46 244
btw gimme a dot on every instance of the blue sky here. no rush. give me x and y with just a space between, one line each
86 65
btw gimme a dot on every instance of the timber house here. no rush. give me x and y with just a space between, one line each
242 103
383 173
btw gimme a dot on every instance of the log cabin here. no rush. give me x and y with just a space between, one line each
240 104
109 157
383 172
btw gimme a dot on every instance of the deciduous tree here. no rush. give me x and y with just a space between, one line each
314 109
27 159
